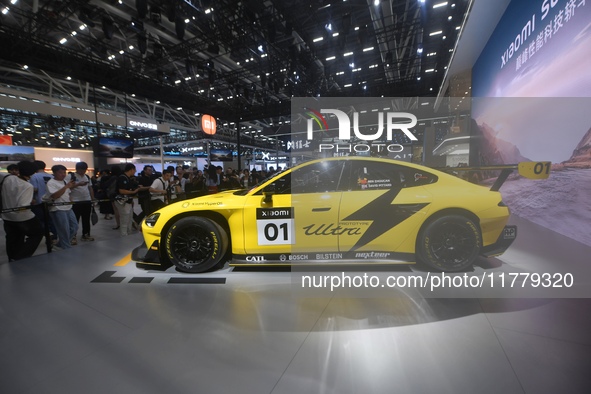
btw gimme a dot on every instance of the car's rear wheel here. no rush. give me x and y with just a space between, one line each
195 244
449 243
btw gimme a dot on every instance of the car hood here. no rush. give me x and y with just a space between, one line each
226 199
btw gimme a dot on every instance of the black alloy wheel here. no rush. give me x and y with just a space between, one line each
195 244
450 243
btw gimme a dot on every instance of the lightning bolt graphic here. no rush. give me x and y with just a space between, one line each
384 215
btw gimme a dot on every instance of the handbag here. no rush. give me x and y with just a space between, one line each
93 217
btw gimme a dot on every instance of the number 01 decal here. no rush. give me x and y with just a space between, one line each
535 170
275 226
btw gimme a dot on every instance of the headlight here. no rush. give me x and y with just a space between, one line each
152 219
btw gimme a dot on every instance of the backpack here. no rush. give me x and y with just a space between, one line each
112 188
1 185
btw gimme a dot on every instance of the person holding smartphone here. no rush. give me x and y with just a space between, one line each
82 194
62 216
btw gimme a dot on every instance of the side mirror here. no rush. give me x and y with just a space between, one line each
268 199
268 192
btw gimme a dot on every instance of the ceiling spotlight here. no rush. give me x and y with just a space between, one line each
438 5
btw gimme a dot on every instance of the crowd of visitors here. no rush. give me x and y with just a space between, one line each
71 197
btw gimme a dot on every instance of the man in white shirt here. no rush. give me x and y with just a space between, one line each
83 194
62 216
159 190
39 181
127 188
23 230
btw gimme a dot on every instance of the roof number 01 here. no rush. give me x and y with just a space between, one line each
542 167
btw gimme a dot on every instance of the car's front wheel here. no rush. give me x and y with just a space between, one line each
195 244
450 243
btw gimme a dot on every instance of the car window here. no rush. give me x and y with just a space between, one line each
314 178
419 178
375 175
317 178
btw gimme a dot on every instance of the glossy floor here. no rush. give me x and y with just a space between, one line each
133 331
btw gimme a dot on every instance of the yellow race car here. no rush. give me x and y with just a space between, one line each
337 210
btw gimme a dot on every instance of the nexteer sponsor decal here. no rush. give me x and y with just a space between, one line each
344 122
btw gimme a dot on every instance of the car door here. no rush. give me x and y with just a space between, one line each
301 216
382 206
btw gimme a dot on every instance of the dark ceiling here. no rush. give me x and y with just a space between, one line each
238 59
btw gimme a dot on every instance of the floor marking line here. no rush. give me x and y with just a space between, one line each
123 262
197 280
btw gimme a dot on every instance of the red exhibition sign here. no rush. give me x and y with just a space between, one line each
5 140
208 124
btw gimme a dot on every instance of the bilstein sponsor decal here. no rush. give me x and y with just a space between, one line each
329 256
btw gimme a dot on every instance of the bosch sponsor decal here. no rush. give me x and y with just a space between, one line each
294 257
275 226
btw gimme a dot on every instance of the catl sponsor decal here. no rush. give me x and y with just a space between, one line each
255 259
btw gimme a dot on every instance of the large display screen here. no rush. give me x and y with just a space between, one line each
221 155
114 147
531 87
14 154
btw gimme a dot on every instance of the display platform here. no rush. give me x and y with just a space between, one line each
87 320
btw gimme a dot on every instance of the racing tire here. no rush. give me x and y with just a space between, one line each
449 243
195 244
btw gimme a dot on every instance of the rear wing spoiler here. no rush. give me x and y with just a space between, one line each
527 169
